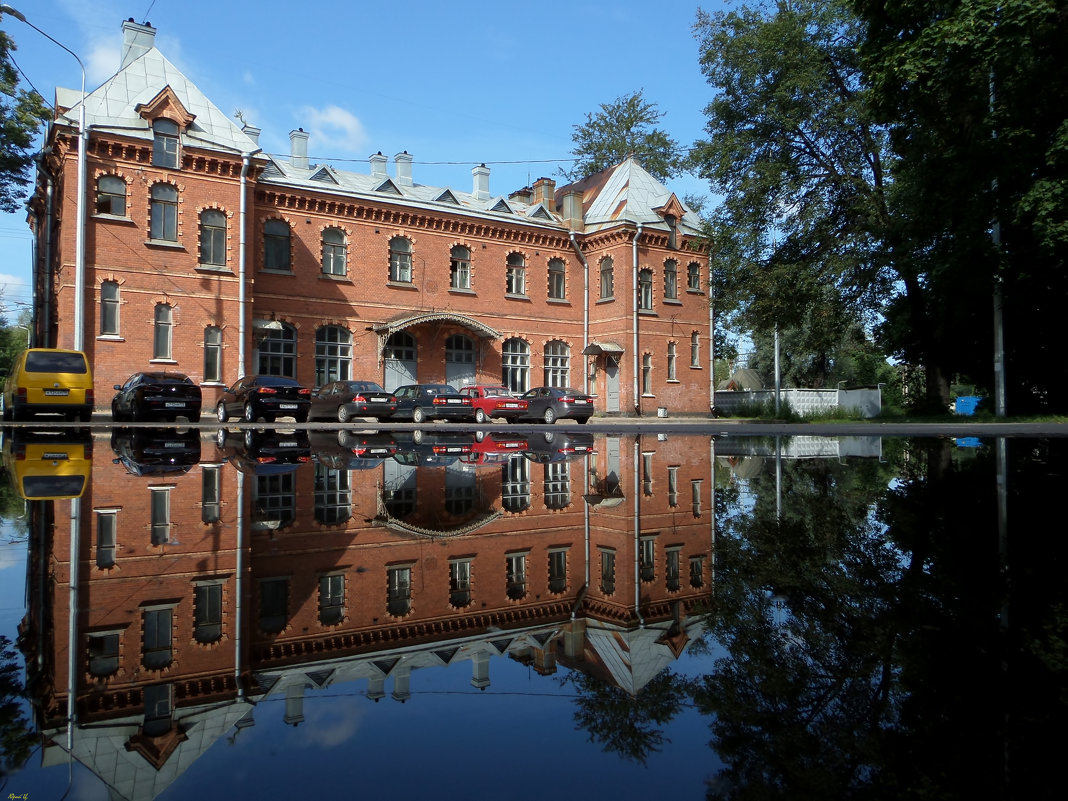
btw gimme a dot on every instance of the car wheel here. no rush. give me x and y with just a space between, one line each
302 417
116 415
345 439
480 416
250 413
220 412
417 437
343 415
220 438
582 420
250 437
418 415
383 419
479 436
550 416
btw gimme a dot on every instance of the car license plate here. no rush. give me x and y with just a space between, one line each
455 400
57 392
174 445
174 405
378 400
511 406
56 457
287 406
287 444
580 402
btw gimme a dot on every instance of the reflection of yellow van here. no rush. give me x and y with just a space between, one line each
48 466
51 381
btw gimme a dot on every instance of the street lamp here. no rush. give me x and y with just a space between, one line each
83 142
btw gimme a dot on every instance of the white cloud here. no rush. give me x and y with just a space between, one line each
331 724
332 131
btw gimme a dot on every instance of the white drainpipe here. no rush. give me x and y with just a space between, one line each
585 309
634 343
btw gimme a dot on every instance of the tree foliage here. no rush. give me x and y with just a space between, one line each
21 115
622 128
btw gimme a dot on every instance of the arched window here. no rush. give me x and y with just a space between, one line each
647 374
460 349
645 290
212 354
334 251
276 351
671 279
516 275
557 364
400 346
693 277
109 309
459 268
557 277
276 245
163 332
111 196
164 213
400 260
333 354
165 143
515 365
608 286
213 237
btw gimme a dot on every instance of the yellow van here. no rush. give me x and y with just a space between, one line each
49 381
48 467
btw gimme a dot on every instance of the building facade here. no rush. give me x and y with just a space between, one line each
190 249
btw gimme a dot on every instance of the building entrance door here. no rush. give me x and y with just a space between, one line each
611 384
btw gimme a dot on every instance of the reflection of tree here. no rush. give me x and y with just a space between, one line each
12 510
625 724
16 735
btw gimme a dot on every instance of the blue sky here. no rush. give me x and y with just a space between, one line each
453 84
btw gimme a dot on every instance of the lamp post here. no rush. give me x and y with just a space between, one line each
83 142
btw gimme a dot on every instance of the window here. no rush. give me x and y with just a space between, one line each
111 196
207 612
460 582
647 374
695 349
274 502
161 514
697 571
515 365
157 710
671 358
333 496
165 144
276 351
331 599
671 280
162 332
557 485
557 571
210 493
333 355
695 496
156 645
671 570
516 275
399 594
163 223
673 486
693 277
103 654
515 485
672 225
109 309
608 572
106 531
460 268
276 254
608 286
645 290
334 251
556 279
400 260
212 354
557 364
646 557
400 346
647 473
213 238
516 575
274 596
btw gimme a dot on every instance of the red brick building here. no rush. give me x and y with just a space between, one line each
202 254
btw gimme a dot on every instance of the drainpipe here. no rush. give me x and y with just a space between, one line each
637 534
634 339
585 309
44 320
711 343
239 587
241 252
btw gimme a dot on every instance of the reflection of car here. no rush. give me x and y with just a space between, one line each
550 403
48 465
49 381
156 396
422 402
495 448
264 452
433 448
494 401
266 396
558 446
151 451
343 400
352 450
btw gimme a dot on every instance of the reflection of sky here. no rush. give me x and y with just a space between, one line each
12 580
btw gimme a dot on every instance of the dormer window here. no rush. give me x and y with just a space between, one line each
672 225
165 143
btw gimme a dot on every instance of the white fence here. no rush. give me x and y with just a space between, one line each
862 402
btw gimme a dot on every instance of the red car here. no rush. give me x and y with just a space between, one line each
494 400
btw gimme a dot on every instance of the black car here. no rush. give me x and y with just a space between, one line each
266 452
436 448
157 396
422 402
558 446
266 396
155 451
551 403
351 450
343 400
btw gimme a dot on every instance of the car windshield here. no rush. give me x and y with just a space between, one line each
49 362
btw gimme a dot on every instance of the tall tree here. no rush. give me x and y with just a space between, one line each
21 115
625 127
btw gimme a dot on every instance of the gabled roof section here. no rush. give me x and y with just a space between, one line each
673 207
388 187
540 212
166 104
326 174
447 197
502 206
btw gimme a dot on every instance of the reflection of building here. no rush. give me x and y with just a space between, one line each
186 611
242 261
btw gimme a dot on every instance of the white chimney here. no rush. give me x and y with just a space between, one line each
481 175
378 165
298 147
404 168
252 132
136 41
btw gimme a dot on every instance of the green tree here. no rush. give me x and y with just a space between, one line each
21 115
16 732
625 127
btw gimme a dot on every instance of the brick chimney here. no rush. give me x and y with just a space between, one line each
404 168
136 41
544 191
298 147
378 165
481 175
